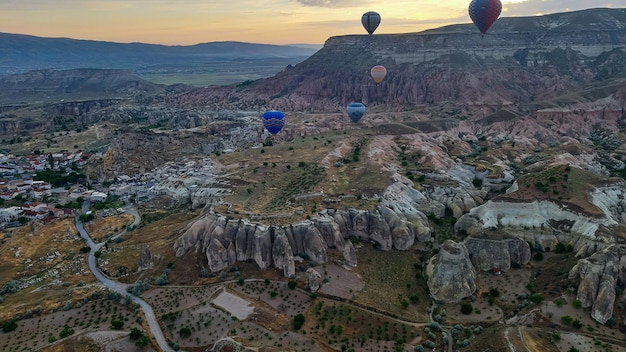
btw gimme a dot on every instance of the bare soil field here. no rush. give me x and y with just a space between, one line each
342 282
83 317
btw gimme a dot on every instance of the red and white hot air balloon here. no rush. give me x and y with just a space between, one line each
378 73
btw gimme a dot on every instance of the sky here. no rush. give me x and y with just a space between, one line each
187 22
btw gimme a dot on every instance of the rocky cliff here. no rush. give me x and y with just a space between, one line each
601 275
451 275
452 272
521 60
225 241
545 223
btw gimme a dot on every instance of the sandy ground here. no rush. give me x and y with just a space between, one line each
235 305
343 282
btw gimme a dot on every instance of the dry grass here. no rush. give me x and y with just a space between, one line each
390 278
101 228
25 256
159 236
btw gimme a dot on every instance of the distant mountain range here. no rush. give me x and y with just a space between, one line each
20 53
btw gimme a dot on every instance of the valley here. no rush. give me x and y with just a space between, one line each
478 205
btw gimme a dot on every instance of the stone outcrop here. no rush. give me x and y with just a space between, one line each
545 223
599 275
315 279
146 259
226 241
451 276
487 254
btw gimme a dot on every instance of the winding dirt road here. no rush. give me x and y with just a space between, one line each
119 287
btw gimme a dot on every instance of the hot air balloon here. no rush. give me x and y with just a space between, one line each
370 21
273 120
378 73
355 111
484 13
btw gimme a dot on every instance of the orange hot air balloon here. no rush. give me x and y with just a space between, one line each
378 73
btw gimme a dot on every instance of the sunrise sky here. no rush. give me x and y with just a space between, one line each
184 22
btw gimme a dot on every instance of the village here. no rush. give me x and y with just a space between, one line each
24 197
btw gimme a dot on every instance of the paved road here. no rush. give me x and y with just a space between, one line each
120 288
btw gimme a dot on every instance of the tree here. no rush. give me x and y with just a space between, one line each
298 321
135 334
184 332
142 341
292 284
9 325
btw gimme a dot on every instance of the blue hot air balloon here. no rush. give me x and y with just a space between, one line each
484 13
355 111
370 21
273 120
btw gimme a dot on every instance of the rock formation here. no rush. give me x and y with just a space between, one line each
545 223
487 254
451 276
599 276
315 279
225 241
146 259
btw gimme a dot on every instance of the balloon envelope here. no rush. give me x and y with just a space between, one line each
273 121
378 73
370 21
484 13
355 111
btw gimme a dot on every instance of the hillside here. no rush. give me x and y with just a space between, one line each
21 53
477 205
522 60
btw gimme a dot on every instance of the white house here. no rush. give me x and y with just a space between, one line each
98 197
9 214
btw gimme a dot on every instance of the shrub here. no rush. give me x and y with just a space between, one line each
577 303
536 298
67 331
477 182
466 308
184 332
538 256
559 301
117 324
292 284
566 319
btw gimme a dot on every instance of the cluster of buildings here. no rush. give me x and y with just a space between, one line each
11 165
28 196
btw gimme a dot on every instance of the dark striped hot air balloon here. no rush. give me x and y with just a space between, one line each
484 13
273 120
370 21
